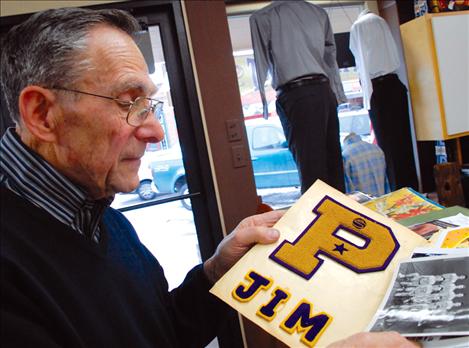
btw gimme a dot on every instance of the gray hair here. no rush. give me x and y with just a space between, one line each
48 49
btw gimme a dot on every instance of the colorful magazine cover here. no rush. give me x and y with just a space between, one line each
454 238
449 241
402 204
428 229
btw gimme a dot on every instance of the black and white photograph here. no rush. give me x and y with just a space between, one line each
428 297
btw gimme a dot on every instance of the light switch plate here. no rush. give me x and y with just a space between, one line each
239 158
234 130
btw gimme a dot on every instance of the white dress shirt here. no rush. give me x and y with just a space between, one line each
374 49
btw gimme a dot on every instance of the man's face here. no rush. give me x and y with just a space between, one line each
96 148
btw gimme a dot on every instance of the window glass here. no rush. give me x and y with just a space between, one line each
275 172
162 218
267 138
160 209
353 117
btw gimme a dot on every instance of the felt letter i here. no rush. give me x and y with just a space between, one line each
268 311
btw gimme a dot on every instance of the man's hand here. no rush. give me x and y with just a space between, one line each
375 340
252 230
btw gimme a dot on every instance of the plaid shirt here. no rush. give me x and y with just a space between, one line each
364 167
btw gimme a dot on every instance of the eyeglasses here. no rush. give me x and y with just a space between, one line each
137 111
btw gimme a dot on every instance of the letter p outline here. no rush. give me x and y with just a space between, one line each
321 237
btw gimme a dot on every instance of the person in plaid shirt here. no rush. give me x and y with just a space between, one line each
364 167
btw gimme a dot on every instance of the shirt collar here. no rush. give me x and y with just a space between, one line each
352 138
32 177
364 12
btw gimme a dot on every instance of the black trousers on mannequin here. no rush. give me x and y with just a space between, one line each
308 114
389 115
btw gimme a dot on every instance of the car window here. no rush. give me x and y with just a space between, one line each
266 137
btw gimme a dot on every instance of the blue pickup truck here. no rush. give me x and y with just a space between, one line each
272 162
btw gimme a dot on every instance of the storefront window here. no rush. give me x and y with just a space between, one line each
275 173
352 116
157 201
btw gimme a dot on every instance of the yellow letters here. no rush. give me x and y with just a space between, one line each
300 319
321 237
267 311
257 282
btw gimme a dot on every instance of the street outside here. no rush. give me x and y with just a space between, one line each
168 230
280 198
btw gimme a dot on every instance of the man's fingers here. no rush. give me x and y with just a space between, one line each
270 218
252 230
266 219
256 234
258 229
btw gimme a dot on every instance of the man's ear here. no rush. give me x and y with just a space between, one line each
38 110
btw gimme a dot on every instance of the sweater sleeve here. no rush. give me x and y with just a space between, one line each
14 327
198 313
23 316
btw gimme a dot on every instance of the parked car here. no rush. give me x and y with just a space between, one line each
272 162
169 175
356 121
146 189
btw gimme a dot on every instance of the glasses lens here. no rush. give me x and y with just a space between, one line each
139 111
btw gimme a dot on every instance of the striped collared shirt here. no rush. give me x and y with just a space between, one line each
30 176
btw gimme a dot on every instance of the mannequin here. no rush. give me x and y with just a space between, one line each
293 40
385 96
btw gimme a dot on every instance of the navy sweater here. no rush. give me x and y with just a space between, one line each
59 289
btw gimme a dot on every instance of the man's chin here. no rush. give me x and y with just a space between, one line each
126 187
129 189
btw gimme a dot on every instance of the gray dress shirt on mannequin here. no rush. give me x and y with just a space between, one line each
292 39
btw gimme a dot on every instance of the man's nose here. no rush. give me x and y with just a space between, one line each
150 131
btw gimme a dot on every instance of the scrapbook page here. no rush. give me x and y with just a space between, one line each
325 277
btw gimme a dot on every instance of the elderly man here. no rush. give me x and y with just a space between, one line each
74 273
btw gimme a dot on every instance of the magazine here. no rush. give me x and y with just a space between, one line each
428 229
454 238
451 241
429 224
402 204
456 215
